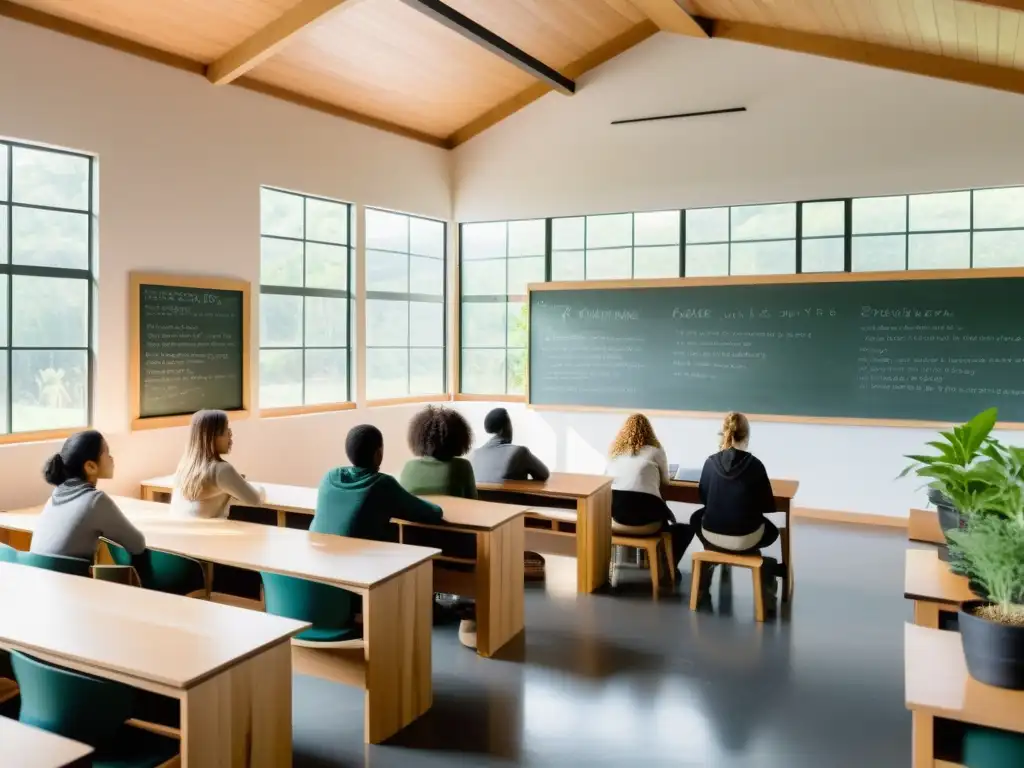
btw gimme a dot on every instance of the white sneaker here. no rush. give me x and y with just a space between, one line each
467 633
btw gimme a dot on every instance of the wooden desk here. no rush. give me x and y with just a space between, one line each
231 669
937 685
784 492
592 497
933 587
923 526
27 747
395 581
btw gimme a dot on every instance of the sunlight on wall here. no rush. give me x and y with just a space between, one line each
581 456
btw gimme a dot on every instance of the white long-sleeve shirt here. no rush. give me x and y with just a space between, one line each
223 487
644 472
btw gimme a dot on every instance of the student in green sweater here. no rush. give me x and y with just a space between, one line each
359 501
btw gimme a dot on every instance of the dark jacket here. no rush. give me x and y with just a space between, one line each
361 502
498 459
736 493
427 476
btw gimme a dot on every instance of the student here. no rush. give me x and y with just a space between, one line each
359 501
78 513
737 494
205 485
498 459
638 467
439 437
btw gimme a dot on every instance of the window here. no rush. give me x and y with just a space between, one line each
742 240
498 260
405 313
305 301
619 246
47 221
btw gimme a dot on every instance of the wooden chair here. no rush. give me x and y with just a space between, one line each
753 562
654 546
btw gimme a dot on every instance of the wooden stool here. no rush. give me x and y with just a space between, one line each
753 562
654 546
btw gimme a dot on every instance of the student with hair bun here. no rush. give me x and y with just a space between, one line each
78 513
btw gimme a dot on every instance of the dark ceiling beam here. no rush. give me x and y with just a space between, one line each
479 34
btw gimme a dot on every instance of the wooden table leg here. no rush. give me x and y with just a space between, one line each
499 587
147 493
241 718
923 740
397 622
926 614
593 540
787 558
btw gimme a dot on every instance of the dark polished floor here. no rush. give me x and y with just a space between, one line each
619 679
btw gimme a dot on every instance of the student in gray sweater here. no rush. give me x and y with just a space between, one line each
78 513
498 459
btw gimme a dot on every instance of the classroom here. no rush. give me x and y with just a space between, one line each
765 250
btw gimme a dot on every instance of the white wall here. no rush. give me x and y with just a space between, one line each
180 166
815 129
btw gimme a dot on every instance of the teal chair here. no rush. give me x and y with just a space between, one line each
162 572
990 748
330 610
89 710
8 554
74 566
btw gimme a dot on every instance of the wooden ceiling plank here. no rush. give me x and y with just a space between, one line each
260 46
1010 5
1009 23
676 16
871 54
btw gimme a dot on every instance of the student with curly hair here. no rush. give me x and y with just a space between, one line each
439 438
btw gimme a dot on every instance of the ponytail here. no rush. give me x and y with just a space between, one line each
54 471
735 429
77 451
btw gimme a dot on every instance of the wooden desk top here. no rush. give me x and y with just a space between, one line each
475 514
148 636
284 498
928 578
923 525
354 563
560 485
781 489
937 683
28 747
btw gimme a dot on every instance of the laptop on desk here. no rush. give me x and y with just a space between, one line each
685 474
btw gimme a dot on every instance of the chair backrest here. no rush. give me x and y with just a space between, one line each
323 606
71 704
118 574
161 571
8 554
75 566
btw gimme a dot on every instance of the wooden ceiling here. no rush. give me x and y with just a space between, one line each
443 72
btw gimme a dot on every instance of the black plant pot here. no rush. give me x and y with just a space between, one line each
949 518
994 652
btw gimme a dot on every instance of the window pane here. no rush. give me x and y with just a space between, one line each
326 322
522 272
567 234
280 320
999 249
280 213
567 265
387 271
326 376
770 258
387 323
483 241
827 255
656 228
3 176
280 378
483 278
946 251
426 371
49 389
387 373
879 253
4 380
326 266
280 262
326 221
610 231
707 225
49 178
825 218
426 237
526 238
3 318
761 222
51 238
483 324
517 325
516 368
996 208
658 261
610 264
707 260
50 312
426 275
879 214
3 229
945 210
483 371
426 324
387 231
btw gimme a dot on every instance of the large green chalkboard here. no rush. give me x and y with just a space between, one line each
917 349
191 346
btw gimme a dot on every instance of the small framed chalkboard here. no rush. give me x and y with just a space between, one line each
189 347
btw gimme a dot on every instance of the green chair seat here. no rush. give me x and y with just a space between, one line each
331 610
991 748
161 571
75 566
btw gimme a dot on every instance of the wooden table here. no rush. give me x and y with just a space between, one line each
784 492
231 669
26 747
923 526
938 686
591 495
933 587
395 581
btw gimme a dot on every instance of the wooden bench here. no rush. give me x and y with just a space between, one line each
655 545
754 562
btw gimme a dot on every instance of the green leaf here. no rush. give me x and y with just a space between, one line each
978 430
948 452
